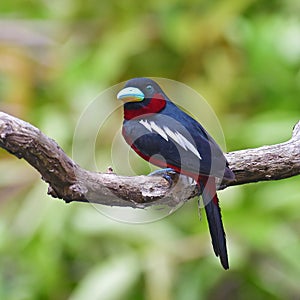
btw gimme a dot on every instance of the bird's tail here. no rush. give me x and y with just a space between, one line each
214 218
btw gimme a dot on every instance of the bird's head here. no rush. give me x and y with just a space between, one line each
142 96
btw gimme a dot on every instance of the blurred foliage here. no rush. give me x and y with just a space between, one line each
242 56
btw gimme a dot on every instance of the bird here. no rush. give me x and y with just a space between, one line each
166 136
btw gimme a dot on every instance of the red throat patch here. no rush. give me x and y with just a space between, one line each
155 105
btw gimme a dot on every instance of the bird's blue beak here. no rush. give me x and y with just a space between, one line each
131 94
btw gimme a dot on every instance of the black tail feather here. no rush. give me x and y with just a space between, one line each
214 218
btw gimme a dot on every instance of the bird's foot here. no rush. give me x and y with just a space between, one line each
167 174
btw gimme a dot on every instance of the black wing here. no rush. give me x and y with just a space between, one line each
181 142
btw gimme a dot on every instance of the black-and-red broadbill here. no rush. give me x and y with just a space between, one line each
160 132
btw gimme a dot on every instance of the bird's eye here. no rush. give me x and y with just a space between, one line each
149 88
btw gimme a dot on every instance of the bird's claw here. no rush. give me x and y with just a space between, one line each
165 173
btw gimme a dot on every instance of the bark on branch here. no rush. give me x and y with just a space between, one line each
70 182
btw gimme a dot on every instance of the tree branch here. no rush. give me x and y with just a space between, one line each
70 182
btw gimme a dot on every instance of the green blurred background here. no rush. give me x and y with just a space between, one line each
242 56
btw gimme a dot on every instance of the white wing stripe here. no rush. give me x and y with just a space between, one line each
191 147
146 124
159 130
176 136
180 140
170 133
